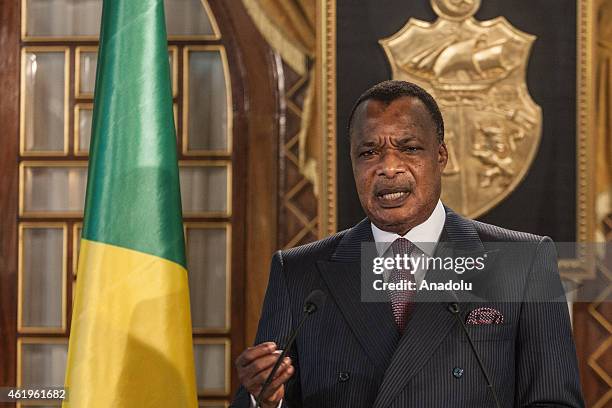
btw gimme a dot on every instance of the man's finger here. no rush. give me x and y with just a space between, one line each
253 353
276 397
257 366
279 394
277 383
254 384
257 381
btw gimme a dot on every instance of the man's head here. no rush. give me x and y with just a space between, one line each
396 133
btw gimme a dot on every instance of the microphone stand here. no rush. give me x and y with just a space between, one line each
309 309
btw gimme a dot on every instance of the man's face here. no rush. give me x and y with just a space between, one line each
397 162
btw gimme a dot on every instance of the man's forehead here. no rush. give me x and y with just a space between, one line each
402 104
396 139
405 112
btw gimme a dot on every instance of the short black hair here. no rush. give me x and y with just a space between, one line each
388 91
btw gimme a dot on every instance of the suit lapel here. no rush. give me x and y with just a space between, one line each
464 241
371 322
431 321
428 326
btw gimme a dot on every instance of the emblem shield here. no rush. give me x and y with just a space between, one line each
476 71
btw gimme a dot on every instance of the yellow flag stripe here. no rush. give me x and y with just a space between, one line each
132 335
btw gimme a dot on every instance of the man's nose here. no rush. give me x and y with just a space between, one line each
391 165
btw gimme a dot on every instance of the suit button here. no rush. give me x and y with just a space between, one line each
343 376
457 372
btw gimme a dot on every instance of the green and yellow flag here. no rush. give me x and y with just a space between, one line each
130 342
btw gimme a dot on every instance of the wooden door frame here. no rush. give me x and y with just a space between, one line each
9 132
256 112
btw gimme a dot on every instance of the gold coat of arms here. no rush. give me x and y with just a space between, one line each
476 70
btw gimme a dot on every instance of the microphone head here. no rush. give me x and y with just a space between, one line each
314 301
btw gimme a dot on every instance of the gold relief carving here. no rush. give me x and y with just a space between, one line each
476 70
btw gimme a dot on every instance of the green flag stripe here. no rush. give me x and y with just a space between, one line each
133 196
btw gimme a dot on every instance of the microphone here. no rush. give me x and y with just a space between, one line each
314 301
454 309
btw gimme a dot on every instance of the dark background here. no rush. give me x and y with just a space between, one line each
544 202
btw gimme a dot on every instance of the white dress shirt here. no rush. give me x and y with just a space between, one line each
425 236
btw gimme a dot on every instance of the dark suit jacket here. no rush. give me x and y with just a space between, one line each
350 354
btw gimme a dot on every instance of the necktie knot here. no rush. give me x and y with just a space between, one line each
402 246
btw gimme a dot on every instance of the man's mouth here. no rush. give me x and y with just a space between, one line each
393 196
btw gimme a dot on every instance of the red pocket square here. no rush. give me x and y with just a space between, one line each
484 315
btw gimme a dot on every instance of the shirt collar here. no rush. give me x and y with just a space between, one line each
425 236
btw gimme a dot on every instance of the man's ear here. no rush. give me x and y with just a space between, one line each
442 156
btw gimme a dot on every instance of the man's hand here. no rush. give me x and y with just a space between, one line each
255 364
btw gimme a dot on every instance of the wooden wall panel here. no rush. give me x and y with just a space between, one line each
593 333
9 131
297 217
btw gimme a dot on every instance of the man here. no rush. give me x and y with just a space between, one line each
405 352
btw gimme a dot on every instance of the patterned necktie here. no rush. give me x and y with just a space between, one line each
402 300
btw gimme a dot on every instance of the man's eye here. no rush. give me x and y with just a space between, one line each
412 149
367 153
